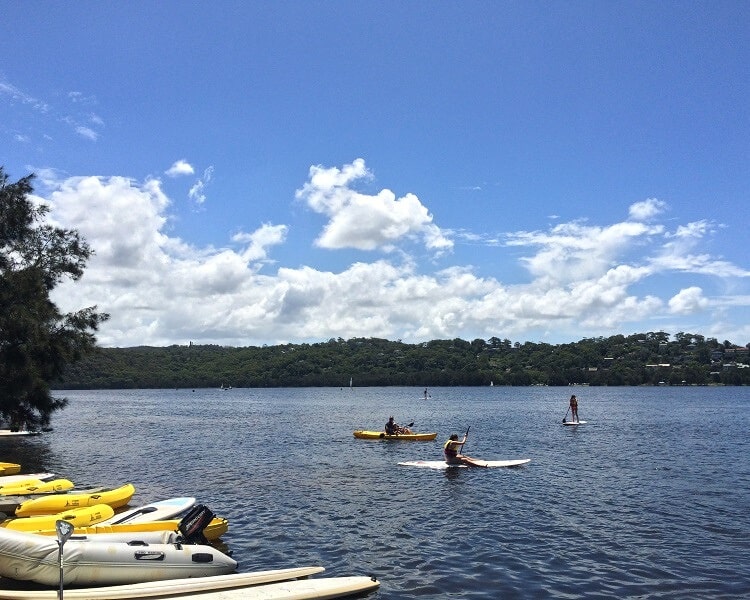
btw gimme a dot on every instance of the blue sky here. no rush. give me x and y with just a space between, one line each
266 172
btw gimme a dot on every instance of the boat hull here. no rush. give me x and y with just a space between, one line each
30 557
56 503
364 434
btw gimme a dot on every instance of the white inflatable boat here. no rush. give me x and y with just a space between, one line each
31 557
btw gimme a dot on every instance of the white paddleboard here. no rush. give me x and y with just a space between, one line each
575 422
303 589
168 587
441 464
163 510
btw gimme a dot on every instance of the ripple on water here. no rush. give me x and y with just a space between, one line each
649 500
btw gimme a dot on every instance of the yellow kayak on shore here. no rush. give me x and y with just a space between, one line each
36 486
364 434
213 531
7 468
79 517
56 503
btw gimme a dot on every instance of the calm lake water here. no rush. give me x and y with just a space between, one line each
649 499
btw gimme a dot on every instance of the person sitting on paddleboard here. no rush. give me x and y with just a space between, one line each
451 448
393 428
453 457
574 407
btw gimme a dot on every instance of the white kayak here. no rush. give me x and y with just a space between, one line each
32 557
163 589
575 422
163 510
441 464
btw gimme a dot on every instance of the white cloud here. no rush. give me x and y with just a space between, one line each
180 167
17 95
647 209
197 193
574 251
160 289
260 240
367 222
688 301
87 132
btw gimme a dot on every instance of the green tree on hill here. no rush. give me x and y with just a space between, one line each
37 341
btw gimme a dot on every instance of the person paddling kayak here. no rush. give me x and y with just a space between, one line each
451 452
393 428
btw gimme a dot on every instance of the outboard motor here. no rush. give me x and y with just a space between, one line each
191 526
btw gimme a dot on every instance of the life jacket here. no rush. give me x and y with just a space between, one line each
449 450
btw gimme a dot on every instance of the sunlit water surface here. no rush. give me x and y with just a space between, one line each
649 499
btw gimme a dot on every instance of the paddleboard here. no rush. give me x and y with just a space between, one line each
8 432
168 587
575 422
163 510
303 589
441 464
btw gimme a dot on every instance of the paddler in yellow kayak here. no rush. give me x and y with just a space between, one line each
393 428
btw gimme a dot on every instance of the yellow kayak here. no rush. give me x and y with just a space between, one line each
79 517
20 480
7 468
56 503
213 531
363 434
35 486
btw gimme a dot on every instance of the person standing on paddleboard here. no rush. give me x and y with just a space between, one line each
574 407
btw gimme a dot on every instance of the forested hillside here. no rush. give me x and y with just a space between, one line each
648 358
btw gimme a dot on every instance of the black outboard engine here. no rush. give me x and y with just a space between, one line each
191 526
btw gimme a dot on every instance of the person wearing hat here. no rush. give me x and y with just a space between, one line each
393 428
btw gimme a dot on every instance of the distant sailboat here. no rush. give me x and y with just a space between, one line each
350 382
492 383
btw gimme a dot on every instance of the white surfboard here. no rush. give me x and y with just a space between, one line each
303 589
575 422
164 588
441 464
163 510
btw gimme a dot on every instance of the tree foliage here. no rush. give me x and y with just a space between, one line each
641 359
37 341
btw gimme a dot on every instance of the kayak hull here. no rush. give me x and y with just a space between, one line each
364 434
